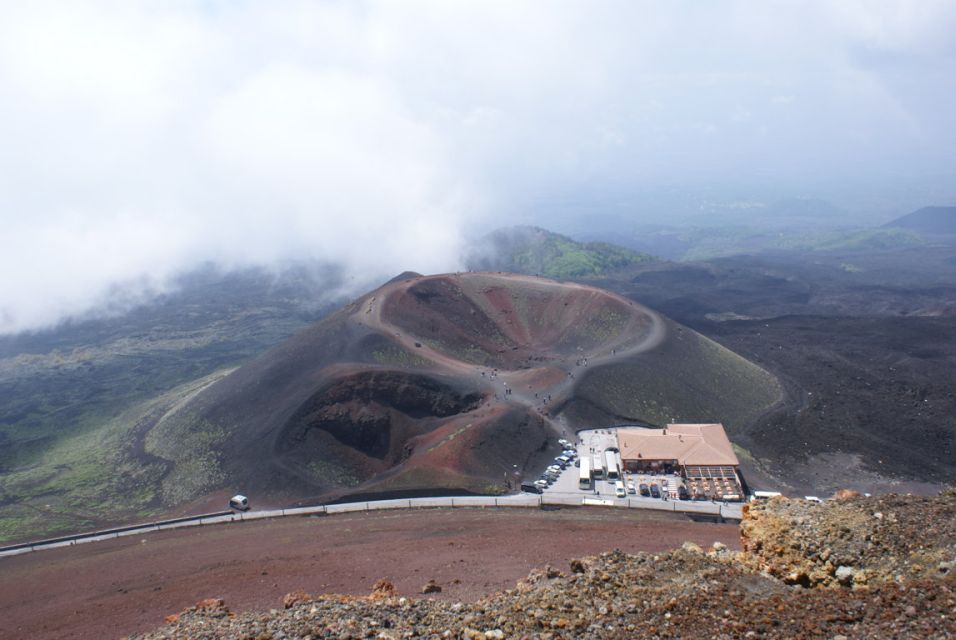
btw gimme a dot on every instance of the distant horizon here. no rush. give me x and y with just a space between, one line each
337 286
141 140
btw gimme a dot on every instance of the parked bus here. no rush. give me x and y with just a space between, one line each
613 469
584 473
597 467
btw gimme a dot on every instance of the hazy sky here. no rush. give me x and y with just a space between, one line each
139 138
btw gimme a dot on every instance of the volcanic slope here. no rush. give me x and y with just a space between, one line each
442 383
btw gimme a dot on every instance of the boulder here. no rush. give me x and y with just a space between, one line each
383 589
289 600
431 587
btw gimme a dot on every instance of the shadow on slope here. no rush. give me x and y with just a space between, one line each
688 378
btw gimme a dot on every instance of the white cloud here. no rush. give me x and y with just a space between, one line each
142 138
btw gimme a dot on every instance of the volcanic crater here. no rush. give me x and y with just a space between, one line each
451 382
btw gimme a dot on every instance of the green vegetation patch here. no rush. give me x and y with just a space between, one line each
533 250
863 240
396 356
82 479
329 473
193 444
557 256
94 475
707 243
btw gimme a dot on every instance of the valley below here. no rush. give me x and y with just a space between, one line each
828 370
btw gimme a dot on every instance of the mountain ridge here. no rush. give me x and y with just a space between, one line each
933 220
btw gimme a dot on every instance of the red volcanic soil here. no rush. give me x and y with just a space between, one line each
431 383
117 587
512 322
439 384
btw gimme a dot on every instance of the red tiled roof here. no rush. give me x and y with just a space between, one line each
689 444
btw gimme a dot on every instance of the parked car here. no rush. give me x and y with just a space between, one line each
619 490
239 502
644 490
682 492
630 488
530 487
655 492
563 442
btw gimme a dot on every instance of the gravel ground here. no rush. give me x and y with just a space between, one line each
107 589
680 594
852 541
687 593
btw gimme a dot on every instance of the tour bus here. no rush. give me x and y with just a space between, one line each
765 495
610 463
584 475
597 466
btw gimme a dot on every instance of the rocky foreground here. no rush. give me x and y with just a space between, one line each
853 568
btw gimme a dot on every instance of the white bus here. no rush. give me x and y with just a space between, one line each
597 467
610 464
584 474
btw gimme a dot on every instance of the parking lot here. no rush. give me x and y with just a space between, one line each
593 444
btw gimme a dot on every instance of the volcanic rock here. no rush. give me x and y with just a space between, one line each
289 600
852 541
444 383
431 587
682 593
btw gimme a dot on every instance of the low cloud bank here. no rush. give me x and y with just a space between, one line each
140 140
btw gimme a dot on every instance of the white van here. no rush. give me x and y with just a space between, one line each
619 489
239 503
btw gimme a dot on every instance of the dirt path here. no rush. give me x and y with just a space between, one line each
109 589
